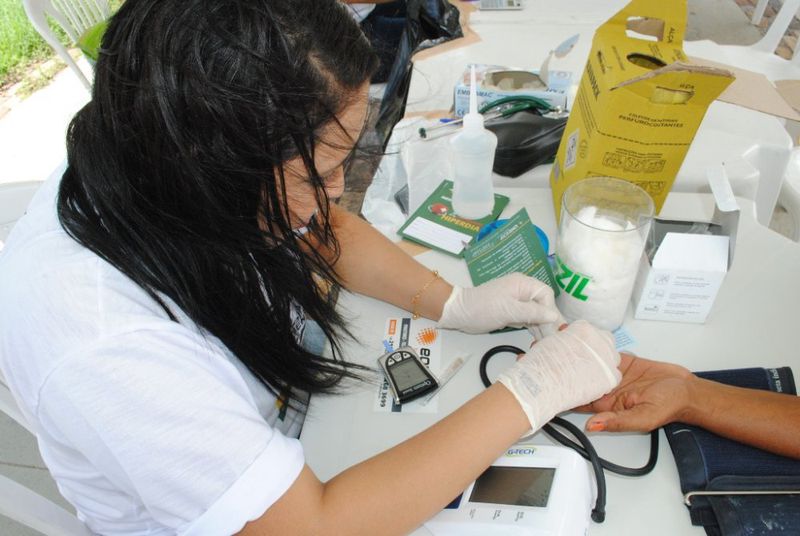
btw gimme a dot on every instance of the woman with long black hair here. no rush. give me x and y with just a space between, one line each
156 301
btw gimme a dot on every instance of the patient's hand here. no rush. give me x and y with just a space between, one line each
650 395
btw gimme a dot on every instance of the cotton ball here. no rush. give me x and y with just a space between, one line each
608 253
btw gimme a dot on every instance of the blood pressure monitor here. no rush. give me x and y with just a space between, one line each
531 490
407 375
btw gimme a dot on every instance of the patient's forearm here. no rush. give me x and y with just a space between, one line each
764 419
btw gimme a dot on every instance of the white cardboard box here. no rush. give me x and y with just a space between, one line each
554 93
686 262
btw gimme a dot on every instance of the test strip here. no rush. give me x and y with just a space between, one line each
446 375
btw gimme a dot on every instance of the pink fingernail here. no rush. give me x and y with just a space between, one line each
597 427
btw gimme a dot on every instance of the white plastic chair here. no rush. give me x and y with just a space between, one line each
74 16
759 57
778 27
758 12
790 193
16 501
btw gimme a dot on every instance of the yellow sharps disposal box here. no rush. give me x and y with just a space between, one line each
639 103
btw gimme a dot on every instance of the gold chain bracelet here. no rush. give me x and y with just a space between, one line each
415 299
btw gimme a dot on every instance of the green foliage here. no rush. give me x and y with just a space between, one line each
89 42
20 44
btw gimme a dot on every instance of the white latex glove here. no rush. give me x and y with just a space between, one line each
562 371
514 300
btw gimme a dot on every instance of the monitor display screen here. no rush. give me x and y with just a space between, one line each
407 374
517 486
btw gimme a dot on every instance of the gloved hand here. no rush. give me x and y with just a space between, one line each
514 300
562 371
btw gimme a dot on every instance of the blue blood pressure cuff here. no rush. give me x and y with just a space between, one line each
719 476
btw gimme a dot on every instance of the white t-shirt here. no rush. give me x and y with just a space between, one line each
148 426
360 11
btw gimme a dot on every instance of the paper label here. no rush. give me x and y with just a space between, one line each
682 296
572 150
623 340
435 225
428 232
513 247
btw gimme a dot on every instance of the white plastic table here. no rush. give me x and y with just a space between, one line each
754 146
753 323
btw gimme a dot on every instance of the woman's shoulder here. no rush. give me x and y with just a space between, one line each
58 298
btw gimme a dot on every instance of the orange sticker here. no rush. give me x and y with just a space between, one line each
392 326
427 336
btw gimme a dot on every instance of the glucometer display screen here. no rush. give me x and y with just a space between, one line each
407 374
518 486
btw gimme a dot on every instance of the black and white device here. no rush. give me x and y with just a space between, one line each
531 490
407 375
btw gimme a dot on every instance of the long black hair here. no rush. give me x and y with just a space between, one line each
175 170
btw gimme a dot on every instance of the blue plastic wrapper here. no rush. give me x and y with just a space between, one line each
489 228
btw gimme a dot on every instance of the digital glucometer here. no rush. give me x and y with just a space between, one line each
407 375
530 490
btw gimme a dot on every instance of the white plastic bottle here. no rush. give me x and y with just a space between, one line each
472 157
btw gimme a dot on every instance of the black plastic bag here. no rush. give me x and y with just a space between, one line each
524 141
429 23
